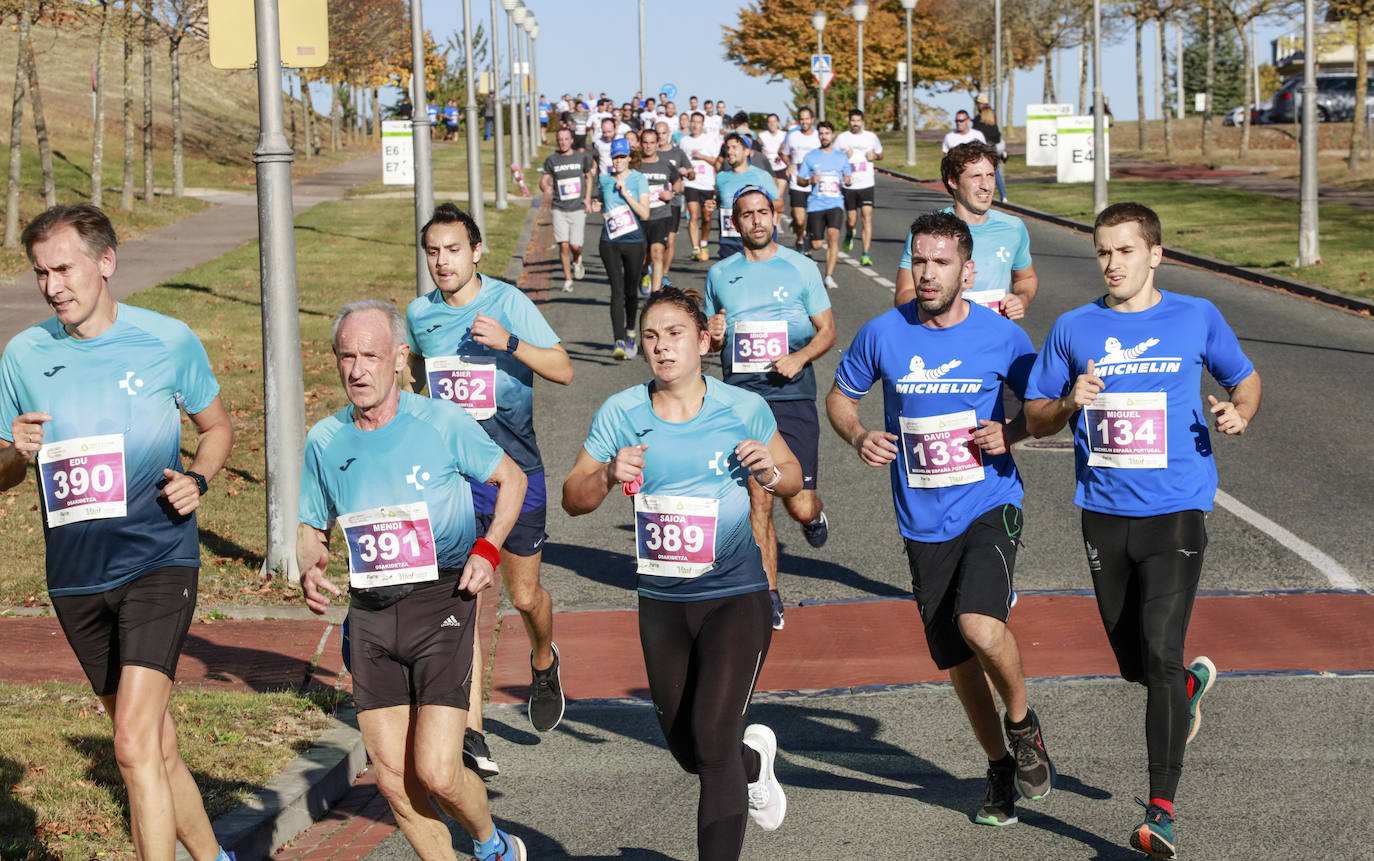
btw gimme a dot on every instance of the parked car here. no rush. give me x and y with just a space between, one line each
1335 99
1257 113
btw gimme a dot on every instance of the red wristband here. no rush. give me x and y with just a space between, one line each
484 548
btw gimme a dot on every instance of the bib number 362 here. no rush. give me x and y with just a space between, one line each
468 382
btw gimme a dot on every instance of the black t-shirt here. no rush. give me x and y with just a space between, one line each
991 133
569 174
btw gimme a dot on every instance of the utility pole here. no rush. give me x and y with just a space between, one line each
476 206
511 6
1099 136
1309 251
908 5
499 135
643 79
419 133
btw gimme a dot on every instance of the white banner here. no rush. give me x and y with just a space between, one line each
1075 150
1042 131
398 153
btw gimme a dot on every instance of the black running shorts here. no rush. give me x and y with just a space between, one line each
526 537
800 427
857 197
796 198
698 195
674 220
817 223
656 230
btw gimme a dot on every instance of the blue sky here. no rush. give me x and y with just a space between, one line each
579 52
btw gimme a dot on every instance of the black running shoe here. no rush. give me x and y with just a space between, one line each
546 695
1034 771
775 600
999 800
476 756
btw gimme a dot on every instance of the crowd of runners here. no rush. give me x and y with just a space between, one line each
432 484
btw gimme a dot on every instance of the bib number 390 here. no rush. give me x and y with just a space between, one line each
83 479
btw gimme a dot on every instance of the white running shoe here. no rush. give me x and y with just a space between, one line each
831 283
567 285
579 271
767 801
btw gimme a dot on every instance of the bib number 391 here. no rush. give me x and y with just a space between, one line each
467 381
940 451
83 479
1128 430
675 536
389 546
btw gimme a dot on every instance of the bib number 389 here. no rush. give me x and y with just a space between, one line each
675 536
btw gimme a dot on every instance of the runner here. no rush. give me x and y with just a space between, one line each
625 201
649 115
675 156
702 148
712 121
450 120
826 172
568 176
544 111
665 182
770 319
956 490
739 124
691 441
798 143
1126 371
963 133
1003 278
737 174
603 146
93 396
862 148
684 128
393 465
479 342
771 140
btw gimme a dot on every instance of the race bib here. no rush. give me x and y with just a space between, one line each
727 224
655 198
758 343
619 221
675 536
827 185
705 172
776 163
940 451
987 298
390 546
570 189
468 381
1128 430
863 165
83 479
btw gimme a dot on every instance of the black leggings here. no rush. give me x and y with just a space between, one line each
703 658
1145 571
624 262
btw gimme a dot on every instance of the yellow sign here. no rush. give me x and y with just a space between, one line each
304 30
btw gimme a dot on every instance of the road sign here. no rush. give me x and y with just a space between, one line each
821 70
304 28
668 90
398 153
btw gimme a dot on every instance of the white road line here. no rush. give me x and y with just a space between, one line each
1333 570
886 282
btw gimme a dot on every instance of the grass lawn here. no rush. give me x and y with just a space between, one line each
220 301
1258 231
64 797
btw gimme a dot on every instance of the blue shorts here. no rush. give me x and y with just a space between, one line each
800 428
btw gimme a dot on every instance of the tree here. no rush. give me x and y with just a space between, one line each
40 130
98 132
1240 13
1051 25
126 197
21 80
179 19
1358 16
1228 70
147 39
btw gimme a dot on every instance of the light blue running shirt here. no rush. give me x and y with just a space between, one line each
827 171
1001 246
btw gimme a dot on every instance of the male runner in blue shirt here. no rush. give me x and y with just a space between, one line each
825 172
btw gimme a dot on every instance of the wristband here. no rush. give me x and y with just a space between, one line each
484 548
777 476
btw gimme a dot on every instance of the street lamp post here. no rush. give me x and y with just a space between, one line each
1099 135
1309 250
908 5
470 114
532 97
818 21
520 81
534 75
499 138
419 133
860 12
643 80
510 6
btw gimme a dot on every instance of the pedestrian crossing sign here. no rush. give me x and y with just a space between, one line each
821 71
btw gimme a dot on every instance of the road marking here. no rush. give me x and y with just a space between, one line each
1335 572
884 281
870 272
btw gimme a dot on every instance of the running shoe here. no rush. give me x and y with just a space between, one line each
1204 674
546 692
999 799
705 255
831 283
477 756
579 271
619 351
767 801
226 855
667 282
567 285
1154 836
1034 771
644 288
512 848
817 531
631 345
865 260
849 242
695 254
776 600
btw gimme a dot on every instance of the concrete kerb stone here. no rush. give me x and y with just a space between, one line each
1188 258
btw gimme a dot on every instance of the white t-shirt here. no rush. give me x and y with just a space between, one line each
858 146
795 147
713 123
603 154
953 139
623 128
707 144
647 119
772 143
563 106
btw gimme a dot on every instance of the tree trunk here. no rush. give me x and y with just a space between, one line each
147 101
334 142
1246 52
98 132
21 80
1211 77
1139 85
308 112
178 133
1084 40
376 116
1048 93
1161 72
126 198
40 128
1357 129
1168 111
1010 110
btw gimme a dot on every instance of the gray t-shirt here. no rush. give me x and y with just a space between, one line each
678 159
569 174
661 174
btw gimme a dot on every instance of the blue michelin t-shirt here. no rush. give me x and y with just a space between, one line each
827 171
1147 451
427 453
128 383
784 289
621 224
1001 246
937 384
693 459
498 389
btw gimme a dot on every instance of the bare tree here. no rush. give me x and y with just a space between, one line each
98 132
21 80
1211 35
126 197
147 8
1358 14
40 130
180 18
1050 25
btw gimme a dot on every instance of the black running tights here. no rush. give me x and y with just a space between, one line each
624 262
702 658
1145 571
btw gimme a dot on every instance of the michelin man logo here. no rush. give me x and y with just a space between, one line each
1115 354
416 477
919 374
130 383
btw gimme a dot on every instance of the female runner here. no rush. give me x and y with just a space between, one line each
625 200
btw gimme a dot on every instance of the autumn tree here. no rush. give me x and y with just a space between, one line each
21 81
1358 16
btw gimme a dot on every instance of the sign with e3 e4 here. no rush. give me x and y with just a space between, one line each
1042 133
1074 149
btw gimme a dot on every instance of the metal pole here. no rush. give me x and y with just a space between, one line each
910 111
534 89
500 136
1308 250
861 65
531 99
282 386
1178 71
475 203
514 94
419 133
517 55
1099 129
820 91
996 56
643 79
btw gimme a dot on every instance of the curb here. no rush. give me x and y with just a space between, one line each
1188 258
293 800
521 253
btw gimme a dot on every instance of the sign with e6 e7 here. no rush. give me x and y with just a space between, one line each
1041 132
1075 150
398 153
